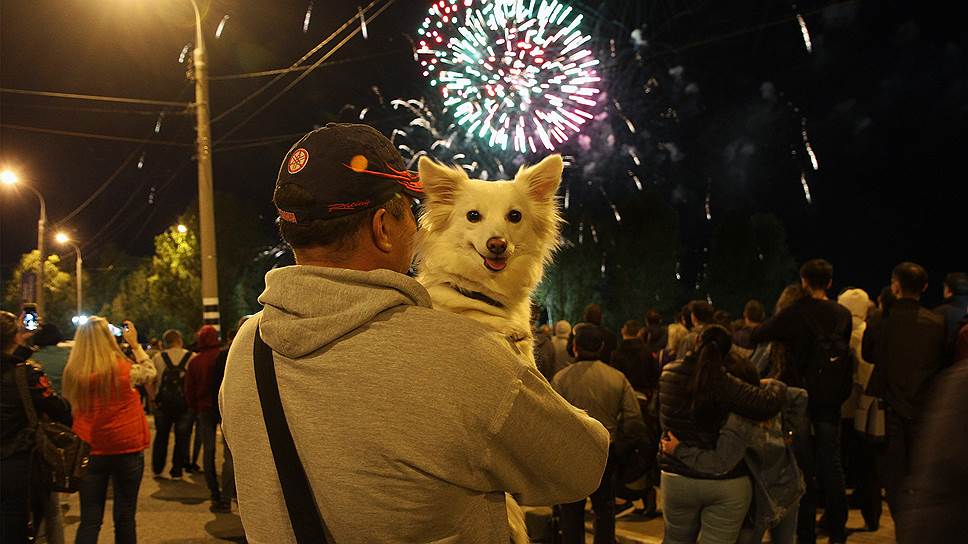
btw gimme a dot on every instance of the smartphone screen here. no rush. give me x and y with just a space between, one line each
31 323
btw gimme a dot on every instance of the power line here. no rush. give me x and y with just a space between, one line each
265 73
307 72
310 53
98 98
152 113
96 136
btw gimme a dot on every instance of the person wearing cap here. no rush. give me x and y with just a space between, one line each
606 395
411 424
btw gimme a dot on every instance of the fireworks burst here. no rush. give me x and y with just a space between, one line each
514 73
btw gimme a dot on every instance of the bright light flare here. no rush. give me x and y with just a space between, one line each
513 73
182 229
62 238
9 177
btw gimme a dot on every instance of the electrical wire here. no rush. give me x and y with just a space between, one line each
303 75
265 73
152 113
311 52
96 136
97 98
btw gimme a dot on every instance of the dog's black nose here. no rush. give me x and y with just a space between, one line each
497 246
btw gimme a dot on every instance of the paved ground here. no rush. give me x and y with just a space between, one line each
177 512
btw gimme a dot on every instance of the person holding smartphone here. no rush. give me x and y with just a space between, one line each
22 497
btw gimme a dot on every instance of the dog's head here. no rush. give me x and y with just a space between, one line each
490 231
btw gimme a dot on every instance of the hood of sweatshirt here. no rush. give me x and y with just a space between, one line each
206 338
308 307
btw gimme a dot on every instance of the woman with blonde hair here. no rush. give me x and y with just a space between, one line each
99 381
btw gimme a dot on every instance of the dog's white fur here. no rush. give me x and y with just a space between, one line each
452 252
452 249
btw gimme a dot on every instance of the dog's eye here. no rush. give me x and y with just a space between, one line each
514 216
473 216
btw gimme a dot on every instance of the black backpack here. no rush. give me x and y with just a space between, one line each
171 392
828 372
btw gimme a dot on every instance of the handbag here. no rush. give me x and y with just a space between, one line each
307 522
63 455
869 418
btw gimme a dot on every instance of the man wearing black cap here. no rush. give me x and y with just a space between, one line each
606 395
411 424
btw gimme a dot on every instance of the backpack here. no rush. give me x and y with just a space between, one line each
828 372
62 455
171 392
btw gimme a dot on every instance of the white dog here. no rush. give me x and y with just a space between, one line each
483 250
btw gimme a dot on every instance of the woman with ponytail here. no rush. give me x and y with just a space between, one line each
99 380
696 396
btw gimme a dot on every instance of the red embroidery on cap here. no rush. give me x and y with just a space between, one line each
298 160
407 178
288 217
348 206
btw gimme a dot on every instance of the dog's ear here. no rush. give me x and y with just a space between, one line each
440 182
541 180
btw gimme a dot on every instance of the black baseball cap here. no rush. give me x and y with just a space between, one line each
347 168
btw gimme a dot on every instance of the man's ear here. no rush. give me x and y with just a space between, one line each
379 232
440 182
541 180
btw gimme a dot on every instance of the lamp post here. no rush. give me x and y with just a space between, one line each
206 201
63 239
10 178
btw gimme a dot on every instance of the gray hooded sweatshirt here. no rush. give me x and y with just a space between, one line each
411 423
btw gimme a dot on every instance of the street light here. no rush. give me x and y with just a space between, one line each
182 229
206 204
10 178
63 239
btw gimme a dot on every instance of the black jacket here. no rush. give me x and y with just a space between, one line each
953 310
657 338
906 347
13 418
638 365
699 424
794 327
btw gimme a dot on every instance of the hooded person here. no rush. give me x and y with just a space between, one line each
409 424
201 400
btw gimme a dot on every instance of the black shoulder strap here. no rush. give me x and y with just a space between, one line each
307 522
167 360
184 359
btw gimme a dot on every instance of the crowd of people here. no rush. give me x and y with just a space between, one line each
355 412
758 422
98 398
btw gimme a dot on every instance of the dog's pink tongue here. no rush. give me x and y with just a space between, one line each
495 265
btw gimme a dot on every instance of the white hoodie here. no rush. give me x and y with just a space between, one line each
411 423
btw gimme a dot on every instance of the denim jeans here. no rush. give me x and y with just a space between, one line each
603 506
711 509
819 458
159 450
894 460
124 472
784 533
15 510
205 430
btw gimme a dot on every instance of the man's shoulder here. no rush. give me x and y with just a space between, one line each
931 316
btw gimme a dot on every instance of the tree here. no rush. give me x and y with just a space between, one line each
749 258
59 289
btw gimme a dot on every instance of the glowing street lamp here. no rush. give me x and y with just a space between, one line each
182 229
10 179
64 239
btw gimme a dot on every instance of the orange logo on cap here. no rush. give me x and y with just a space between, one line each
298 160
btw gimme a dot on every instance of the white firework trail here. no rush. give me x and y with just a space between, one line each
806 33
806 187
221 27
307 18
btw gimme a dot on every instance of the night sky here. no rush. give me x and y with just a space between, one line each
885 93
